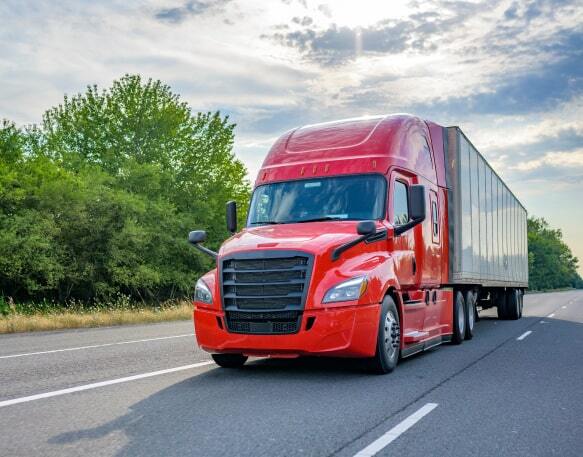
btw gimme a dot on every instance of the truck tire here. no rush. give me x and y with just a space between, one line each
512 304
521 303
459 319
229 360
471 298
501 299
388 339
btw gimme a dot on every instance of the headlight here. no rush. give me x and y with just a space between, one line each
347 290
203 293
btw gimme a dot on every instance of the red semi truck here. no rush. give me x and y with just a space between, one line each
376 237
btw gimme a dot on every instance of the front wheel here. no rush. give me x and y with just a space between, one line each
388 339
229 360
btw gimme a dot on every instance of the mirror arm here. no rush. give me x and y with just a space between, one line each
337 252
346 246
207 251
399 229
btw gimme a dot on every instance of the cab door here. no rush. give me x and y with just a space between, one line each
404 259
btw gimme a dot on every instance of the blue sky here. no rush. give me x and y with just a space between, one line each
510 73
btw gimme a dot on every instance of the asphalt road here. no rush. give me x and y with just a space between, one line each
147 391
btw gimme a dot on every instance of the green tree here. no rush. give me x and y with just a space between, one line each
98 200
552 265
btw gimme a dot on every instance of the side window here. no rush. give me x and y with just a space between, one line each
434 220
400 203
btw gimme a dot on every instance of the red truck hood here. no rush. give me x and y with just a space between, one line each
313 237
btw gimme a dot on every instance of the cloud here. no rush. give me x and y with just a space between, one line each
337 45
562 141
556 79
179 14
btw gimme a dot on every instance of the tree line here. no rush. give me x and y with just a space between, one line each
551 264
96 200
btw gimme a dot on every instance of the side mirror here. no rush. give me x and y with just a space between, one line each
232 216
366 228
416 209
417 202
196 236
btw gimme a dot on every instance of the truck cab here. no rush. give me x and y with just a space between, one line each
345 251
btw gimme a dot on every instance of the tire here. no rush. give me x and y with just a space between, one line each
229 360
501 305
459 319
512 304
388 339
470 300
521 303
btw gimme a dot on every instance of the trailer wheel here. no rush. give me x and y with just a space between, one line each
388 340
459 319
229 360
521 302
501 299
471 298
512 304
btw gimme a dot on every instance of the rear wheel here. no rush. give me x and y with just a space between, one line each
388 339
470 313
521 302
513 304
459 319
229 360
501 300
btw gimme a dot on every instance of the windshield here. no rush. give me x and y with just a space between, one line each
340 198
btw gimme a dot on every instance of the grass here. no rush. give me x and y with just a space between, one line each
30 319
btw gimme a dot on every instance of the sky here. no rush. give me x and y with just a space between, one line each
509 73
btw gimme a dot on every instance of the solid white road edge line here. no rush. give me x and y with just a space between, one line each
379 444
524 335
96 385
95 346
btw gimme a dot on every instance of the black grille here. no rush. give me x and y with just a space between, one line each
272 287
264 323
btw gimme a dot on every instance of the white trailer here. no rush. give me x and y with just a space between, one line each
487 222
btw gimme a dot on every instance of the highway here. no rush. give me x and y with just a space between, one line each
516 389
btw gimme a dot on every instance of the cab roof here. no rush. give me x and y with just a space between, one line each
359 145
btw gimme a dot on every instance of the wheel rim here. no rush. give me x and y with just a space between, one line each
471 315
391 335
461 319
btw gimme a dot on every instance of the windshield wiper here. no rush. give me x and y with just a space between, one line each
324 218
266 223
